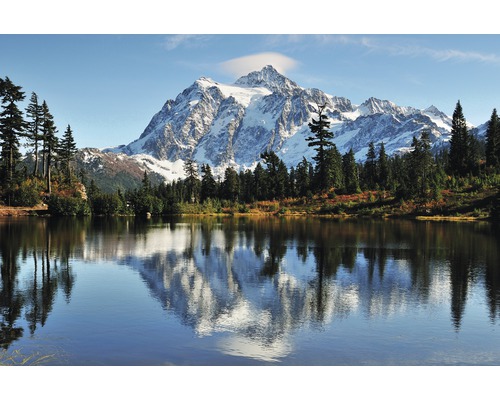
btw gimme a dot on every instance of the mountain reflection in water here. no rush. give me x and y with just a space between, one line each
256 281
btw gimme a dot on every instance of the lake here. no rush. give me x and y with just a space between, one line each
249 291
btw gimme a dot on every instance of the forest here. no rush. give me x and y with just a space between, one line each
461 178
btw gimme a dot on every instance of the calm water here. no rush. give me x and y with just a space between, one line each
250 291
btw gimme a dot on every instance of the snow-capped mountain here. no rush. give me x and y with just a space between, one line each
232 124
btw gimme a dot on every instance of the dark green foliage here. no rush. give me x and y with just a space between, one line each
493 141
231 185
26 194
50 143
321 140
260 182
370 168
383 170
191 181
463 156
277 175
208 184
108 204
12 127
68 206
334 168
350 169
303 181
66 153
33 132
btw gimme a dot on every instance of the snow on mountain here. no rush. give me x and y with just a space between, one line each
232 124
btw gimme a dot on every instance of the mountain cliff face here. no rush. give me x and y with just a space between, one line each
232 124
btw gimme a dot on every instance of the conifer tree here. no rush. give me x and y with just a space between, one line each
383 168
50 143
460 157
191 171
12 127
34 125
334 167
67 150
302 177
350 172
231 184
208 183
370 168
321 140
493 140
260 182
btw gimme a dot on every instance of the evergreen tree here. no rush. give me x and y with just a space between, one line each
12 127
493 140
231 184
208 183
350 170
260 182
334 167
370 168
191 171
321 140
35 114
277 175
50 143
460 152
67 150
383 171
302 178
421 168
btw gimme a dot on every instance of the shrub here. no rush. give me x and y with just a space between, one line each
68 206
26 194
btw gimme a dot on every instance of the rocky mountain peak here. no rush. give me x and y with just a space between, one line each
270 78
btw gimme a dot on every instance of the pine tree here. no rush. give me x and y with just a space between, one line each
383 171
334 167
67 150
260 182
493 141
460 157
191 171
370 168
35 114
302 177
321 140
50 143
350 169
231 184
421 168
208 184
12 127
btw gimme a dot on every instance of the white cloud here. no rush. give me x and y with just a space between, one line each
254 62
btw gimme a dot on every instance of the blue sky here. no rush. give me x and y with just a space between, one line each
108 86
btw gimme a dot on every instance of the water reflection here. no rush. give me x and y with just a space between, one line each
256 280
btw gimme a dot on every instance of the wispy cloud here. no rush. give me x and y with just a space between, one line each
411 50
243 65
174 41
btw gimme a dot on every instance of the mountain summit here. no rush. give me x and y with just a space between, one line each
232 124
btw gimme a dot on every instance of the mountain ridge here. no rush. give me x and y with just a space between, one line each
232 124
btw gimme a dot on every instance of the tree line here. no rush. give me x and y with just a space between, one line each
49 153
418 174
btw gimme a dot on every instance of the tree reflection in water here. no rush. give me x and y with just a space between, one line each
259 278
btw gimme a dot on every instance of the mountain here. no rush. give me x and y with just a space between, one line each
232 124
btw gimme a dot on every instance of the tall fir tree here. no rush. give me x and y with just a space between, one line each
303 182
493 141
192 182
208 183
370 168
34 112
383 170
50 144
350 169
12 128
334 167
460 152
66 151
260 182
231 184
321 141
